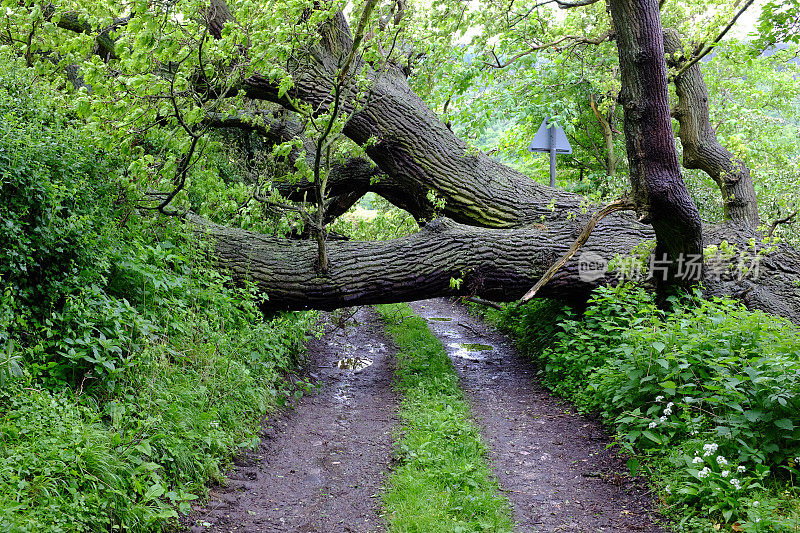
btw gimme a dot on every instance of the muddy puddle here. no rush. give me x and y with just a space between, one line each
470 350
353 363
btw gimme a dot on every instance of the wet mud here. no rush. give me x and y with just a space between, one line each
320 466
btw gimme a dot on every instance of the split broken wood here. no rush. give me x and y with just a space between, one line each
620 204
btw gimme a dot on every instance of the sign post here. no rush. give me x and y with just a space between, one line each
550 137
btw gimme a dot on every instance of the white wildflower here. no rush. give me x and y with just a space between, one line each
721 461
740 469
755 503
669 405
667 411
697 459
709 449
736 484
659 398
653 424
704 472
663 419
725 473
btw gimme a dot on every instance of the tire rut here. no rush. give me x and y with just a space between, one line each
552 463
320 466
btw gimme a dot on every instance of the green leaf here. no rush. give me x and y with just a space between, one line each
785 423
633 466
753 416
155 491
652 436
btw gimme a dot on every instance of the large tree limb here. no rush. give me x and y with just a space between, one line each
414 148
418 152
348 180
499 264
478 189
701 148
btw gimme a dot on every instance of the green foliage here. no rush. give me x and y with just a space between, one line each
130 370
442 482
778 23
709 389
375 219
71 463
54 196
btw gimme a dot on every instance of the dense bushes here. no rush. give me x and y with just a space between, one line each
130 371
709 389
55 197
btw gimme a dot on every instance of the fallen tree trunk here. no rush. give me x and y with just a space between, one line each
497 264
508 229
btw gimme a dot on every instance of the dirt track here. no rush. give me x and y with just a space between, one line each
321 465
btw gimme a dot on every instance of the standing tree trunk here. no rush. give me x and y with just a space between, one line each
607 129
658 188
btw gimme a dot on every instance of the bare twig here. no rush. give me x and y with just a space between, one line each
785 220
577 39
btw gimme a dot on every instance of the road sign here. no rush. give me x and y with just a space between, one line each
541 141
550 137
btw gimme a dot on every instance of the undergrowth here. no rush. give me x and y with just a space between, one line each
130 370
705 397
442 482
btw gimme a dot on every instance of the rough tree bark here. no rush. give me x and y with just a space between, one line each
348 180
498 264
507 229
701 149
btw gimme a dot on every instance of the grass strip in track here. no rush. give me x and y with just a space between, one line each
442 482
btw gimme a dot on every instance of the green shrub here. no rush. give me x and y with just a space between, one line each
55 197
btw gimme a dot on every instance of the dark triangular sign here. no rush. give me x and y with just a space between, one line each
541 141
